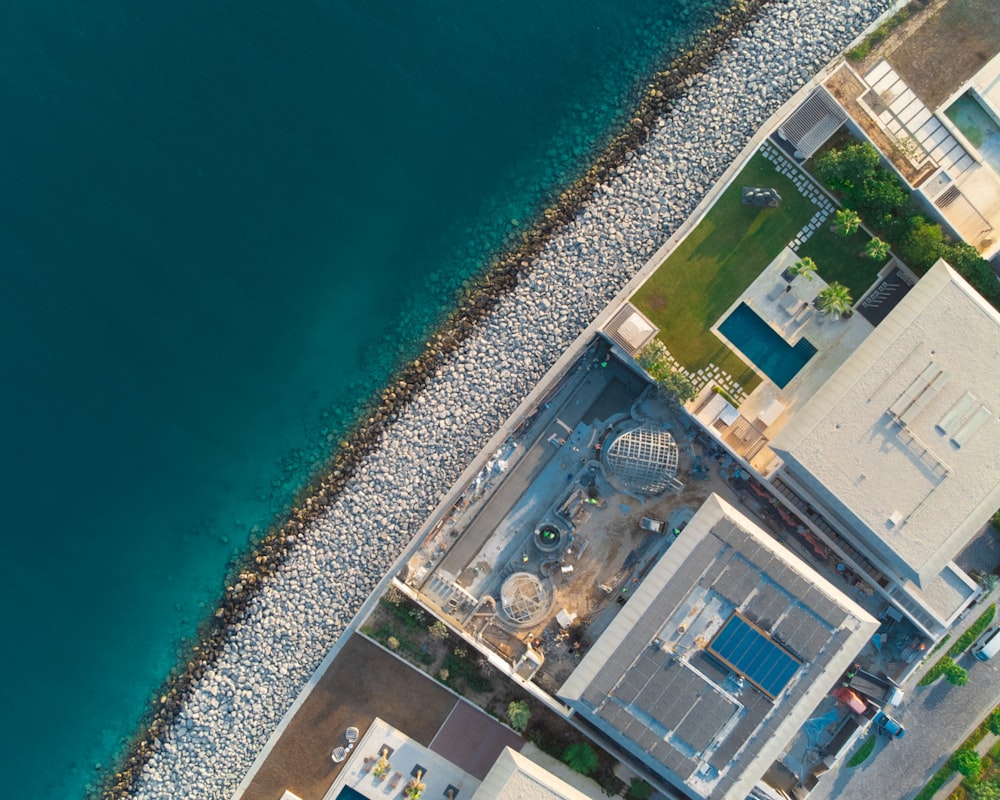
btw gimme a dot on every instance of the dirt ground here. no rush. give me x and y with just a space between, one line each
362 683
941 46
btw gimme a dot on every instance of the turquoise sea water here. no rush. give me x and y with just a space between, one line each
218 223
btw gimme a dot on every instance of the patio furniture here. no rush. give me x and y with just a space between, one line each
778 290
395 779
367 764
352 734
338 754
791 304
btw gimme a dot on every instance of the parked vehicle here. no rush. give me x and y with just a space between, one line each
654 525
988 644
887 726
881 691
850 699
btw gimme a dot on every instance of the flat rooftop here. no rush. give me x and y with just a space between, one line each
719 657
903 441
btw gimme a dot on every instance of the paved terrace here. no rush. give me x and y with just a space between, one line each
362 685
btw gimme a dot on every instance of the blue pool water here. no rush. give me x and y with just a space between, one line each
764 348
347 793
976 124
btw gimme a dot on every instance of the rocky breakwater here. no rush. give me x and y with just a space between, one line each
305 585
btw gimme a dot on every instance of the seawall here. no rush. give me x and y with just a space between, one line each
288 605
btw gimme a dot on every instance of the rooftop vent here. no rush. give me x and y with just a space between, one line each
894 519
918 394
972 424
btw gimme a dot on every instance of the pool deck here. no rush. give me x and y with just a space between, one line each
834 341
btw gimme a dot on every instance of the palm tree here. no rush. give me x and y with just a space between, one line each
846 222
805 267
835 300
876 249
415 787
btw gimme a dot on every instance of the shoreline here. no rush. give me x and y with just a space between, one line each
255 578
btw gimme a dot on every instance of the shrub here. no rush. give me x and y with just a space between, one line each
674 385
967 762
956 675
518 714
935 672
966 639
393 595
862 753
677 387
580 757
993 722
985 791
638 789
392 643
438 630
923 245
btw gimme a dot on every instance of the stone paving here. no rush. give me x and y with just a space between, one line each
807 188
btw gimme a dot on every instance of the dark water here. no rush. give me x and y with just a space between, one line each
220 222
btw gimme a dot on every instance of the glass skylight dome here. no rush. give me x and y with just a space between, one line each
643 457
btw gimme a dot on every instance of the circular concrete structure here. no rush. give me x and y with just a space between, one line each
548 538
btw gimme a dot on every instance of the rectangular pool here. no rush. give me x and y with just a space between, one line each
764 348
347 793
978 126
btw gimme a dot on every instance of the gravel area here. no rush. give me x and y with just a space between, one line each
302 608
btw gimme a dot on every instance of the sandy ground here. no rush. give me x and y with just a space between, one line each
941 47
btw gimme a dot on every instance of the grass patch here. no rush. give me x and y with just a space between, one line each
837 259
879 35
863 752
961 645
715 264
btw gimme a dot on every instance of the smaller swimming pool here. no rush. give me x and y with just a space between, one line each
347 793
764 348
978 126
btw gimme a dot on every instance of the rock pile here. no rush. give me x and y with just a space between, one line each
309 585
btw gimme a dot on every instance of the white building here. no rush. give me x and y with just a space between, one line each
898 453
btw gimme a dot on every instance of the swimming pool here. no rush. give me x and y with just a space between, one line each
978 126
764 348
347 793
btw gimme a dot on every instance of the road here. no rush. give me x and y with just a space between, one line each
937 719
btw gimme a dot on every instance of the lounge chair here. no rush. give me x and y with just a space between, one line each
777 291
367 764
338 754
395 780
791 304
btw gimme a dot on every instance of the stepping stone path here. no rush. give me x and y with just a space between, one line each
807 188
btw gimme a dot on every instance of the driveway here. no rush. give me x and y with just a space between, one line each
937 719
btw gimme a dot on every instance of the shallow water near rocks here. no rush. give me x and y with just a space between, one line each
220 225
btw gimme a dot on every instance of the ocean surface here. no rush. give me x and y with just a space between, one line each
221 225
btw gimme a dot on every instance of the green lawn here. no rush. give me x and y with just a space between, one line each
837 259
715 264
